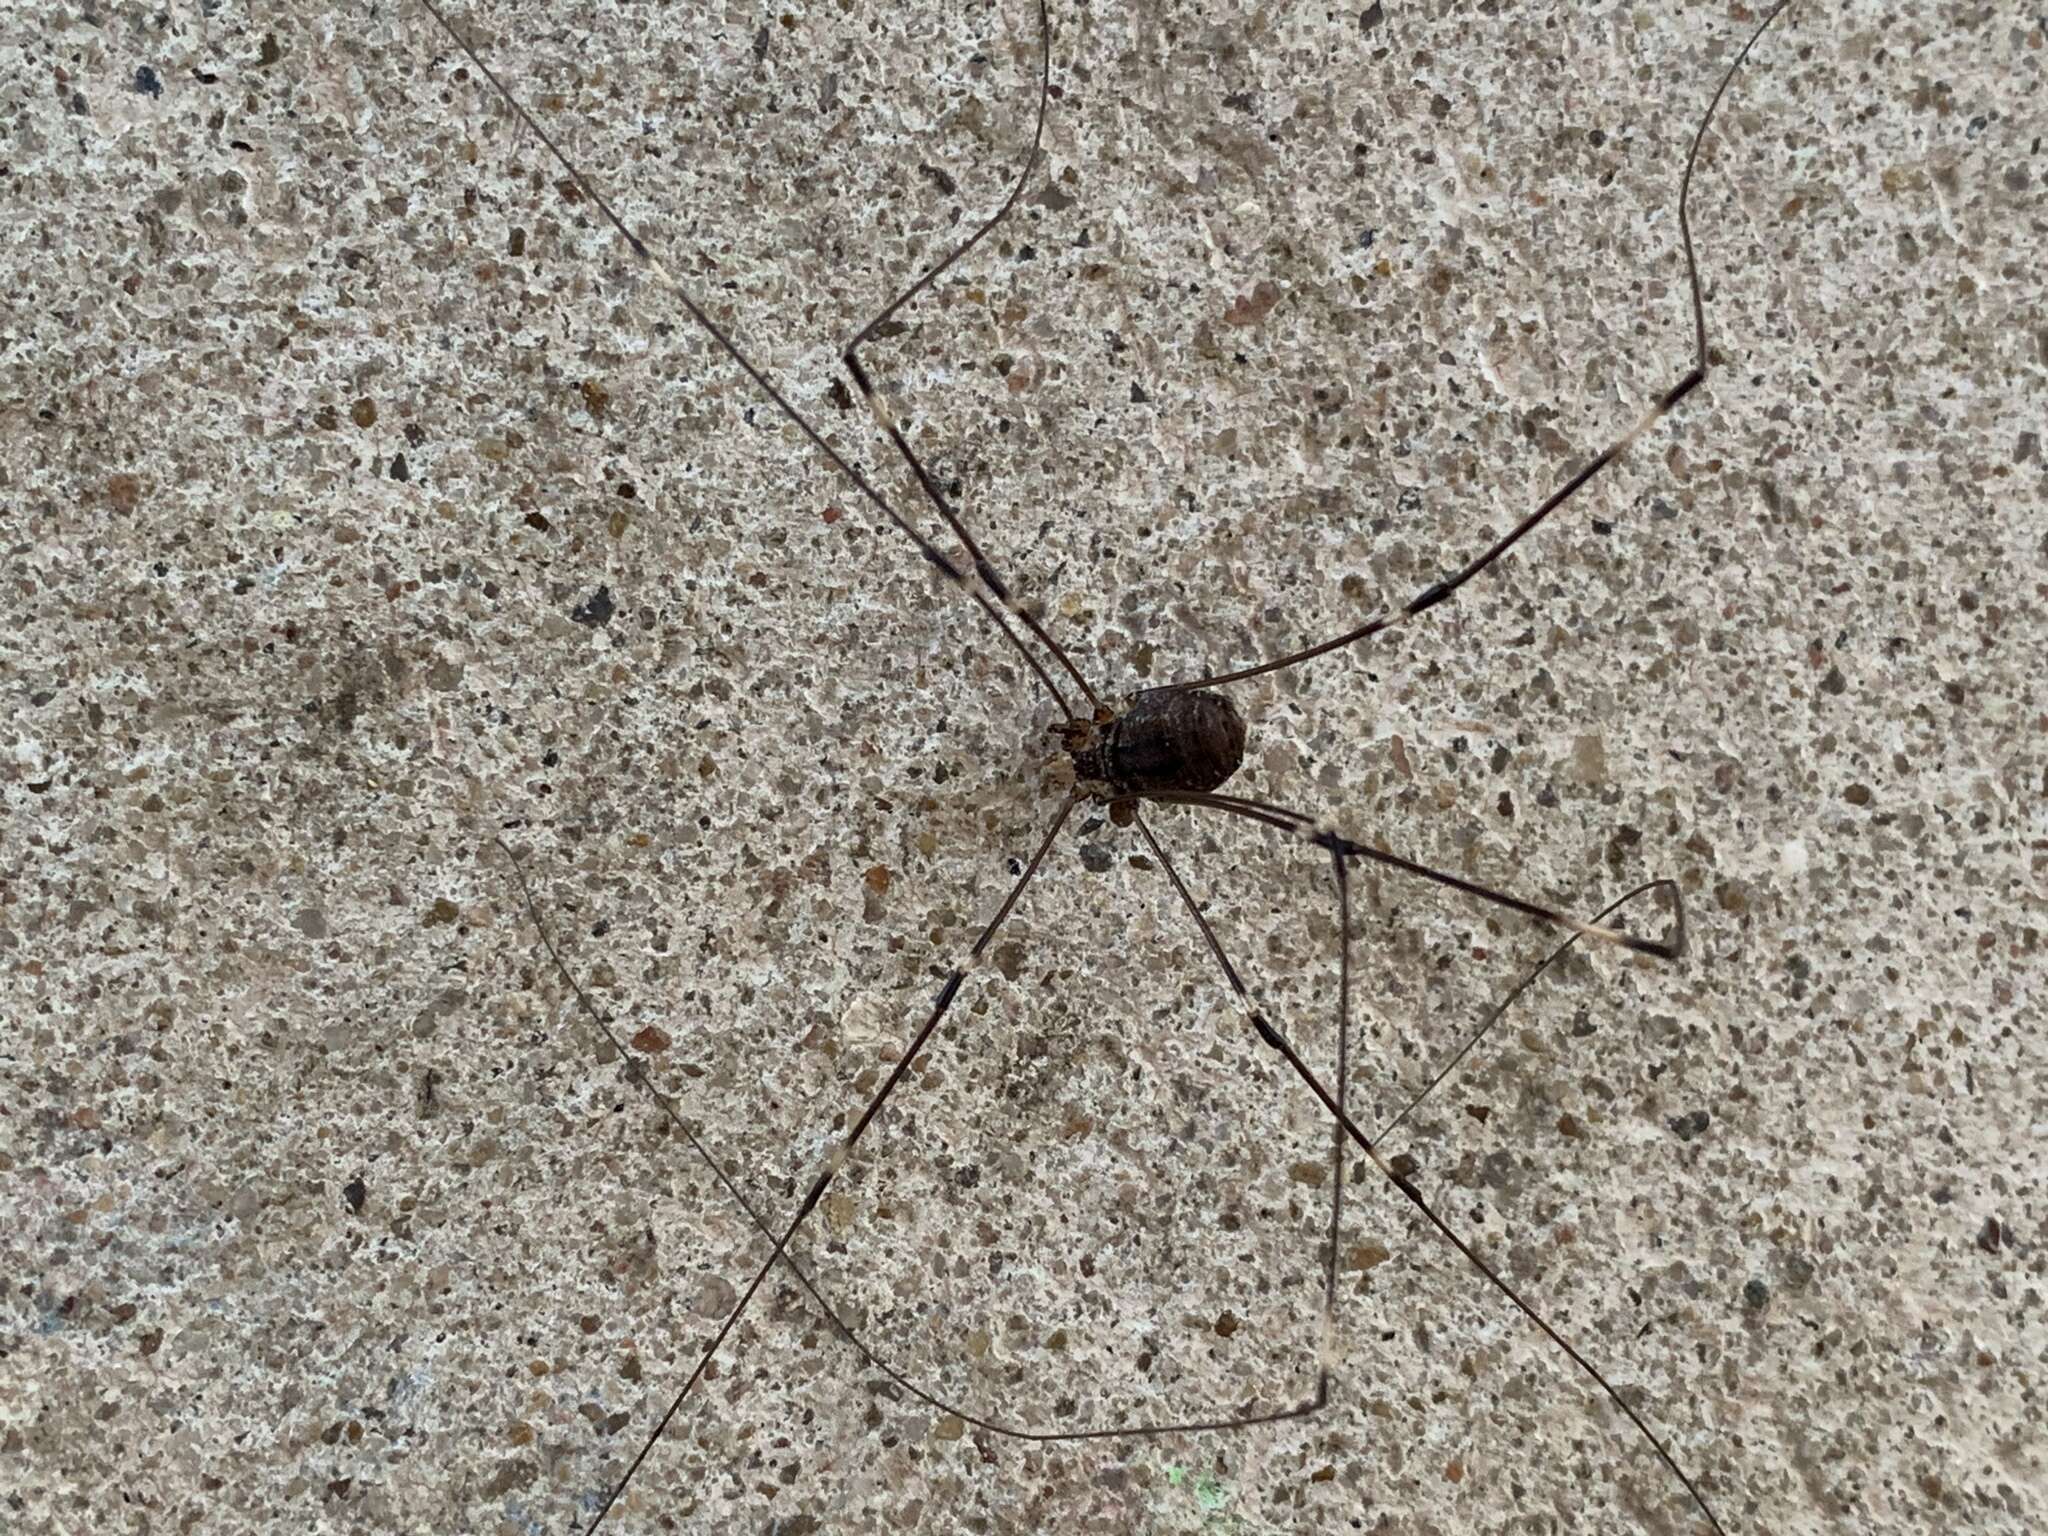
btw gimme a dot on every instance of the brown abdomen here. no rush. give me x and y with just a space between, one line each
1182 740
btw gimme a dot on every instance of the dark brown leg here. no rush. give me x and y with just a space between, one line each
1392 1169
1494 1016
1446 588
984 569
636 1073
1306 828
932 555
944 1001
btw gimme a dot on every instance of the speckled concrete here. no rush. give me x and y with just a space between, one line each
363 502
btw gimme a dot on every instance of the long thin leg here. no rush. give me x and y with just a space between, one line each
1392 1173
1440 591
983 567
1326 1343
1023 177
1494 1017
931 553
843 1151
636 1073
1329 1342
1306 828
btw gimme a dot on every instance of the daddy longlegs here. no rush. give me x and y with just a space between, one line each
1172 744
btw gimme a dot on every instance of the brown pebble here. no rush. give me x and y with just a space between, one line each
1253 307
1366 1256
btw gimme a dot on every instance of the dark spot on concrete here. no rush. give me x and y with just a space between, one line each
1685 1127
355 1192
597 609
146 82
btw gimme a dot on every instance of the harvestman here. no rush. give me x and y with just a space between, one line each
1176 745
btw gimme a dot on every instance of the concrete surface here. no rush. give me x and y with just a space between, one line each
364 503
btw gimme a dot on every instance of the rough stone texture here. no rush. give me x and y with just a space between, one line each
365 502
